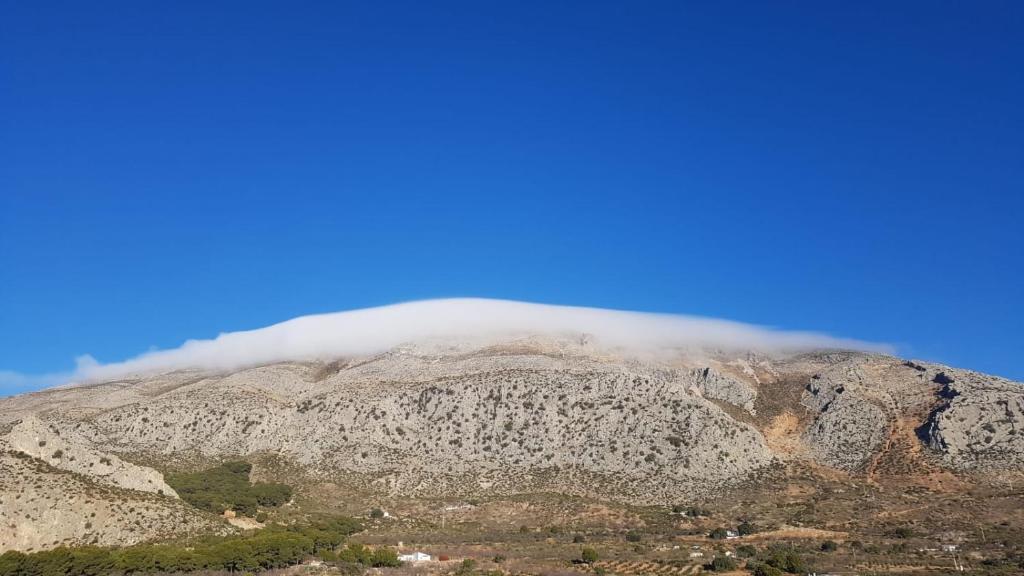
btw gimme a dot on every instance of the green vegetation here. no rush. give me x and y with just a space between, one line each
691 511
274 547
747 528
765 570
227 487
829 546
785 560
902 532
588 556
721 564
718 534
746 551
359 554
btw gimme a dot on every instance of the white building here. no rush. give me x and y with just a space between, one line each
696 554
415 557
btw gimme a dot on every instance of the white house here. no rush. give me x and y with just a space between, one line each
415 557
696 554
731 535
949 547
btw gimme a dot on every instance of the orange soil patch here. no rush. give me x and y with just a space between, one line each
783 434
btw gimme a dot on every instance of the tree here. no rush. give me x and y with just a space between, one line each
718 534
746 528
746 551
785 559
829 546
765 570
722 564
385 558
588 555
376 513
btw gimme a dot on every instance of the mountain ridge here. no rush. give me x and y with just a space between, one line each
531 414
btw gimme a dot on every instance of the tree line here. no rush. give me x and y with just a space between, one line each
227 487
273 547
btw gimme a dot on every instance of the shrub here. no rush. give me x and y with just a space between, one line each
829 546
384 558
588 555
785 559
498 559
746 528
633 536
746 551
765 570
376 513
902 532
467 566
578 539
718 534
721 564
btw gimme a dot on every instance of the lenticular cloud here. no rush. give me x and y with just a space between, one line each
373 330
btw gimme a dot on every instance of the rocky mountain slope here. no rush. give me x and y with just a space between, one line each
525 415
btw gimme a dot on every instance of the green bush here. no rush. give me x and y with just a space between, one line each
721 564
718 534
785 559
384 558
902 532
746 529
829 546
633 536
588 555
746 551
227 487
765 570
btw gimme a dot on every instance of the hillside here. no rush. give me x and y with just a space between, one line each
528 415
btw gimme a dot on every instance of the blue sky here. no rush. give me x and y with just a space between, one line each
171 171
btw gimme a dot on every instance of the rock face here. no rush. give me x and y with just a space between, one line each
528 415
978 423
43 507
66 451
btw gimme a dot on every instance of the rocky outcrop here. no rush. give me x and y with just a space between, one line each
713 384
978 422
42 507
848 427
63 449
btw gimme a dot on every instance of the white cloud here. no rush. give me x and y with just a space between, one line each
372 330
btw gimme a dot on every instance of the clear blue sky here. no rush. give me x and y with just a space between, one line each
173 170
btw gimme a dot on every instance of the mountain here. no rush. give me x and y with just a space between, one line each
470 419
